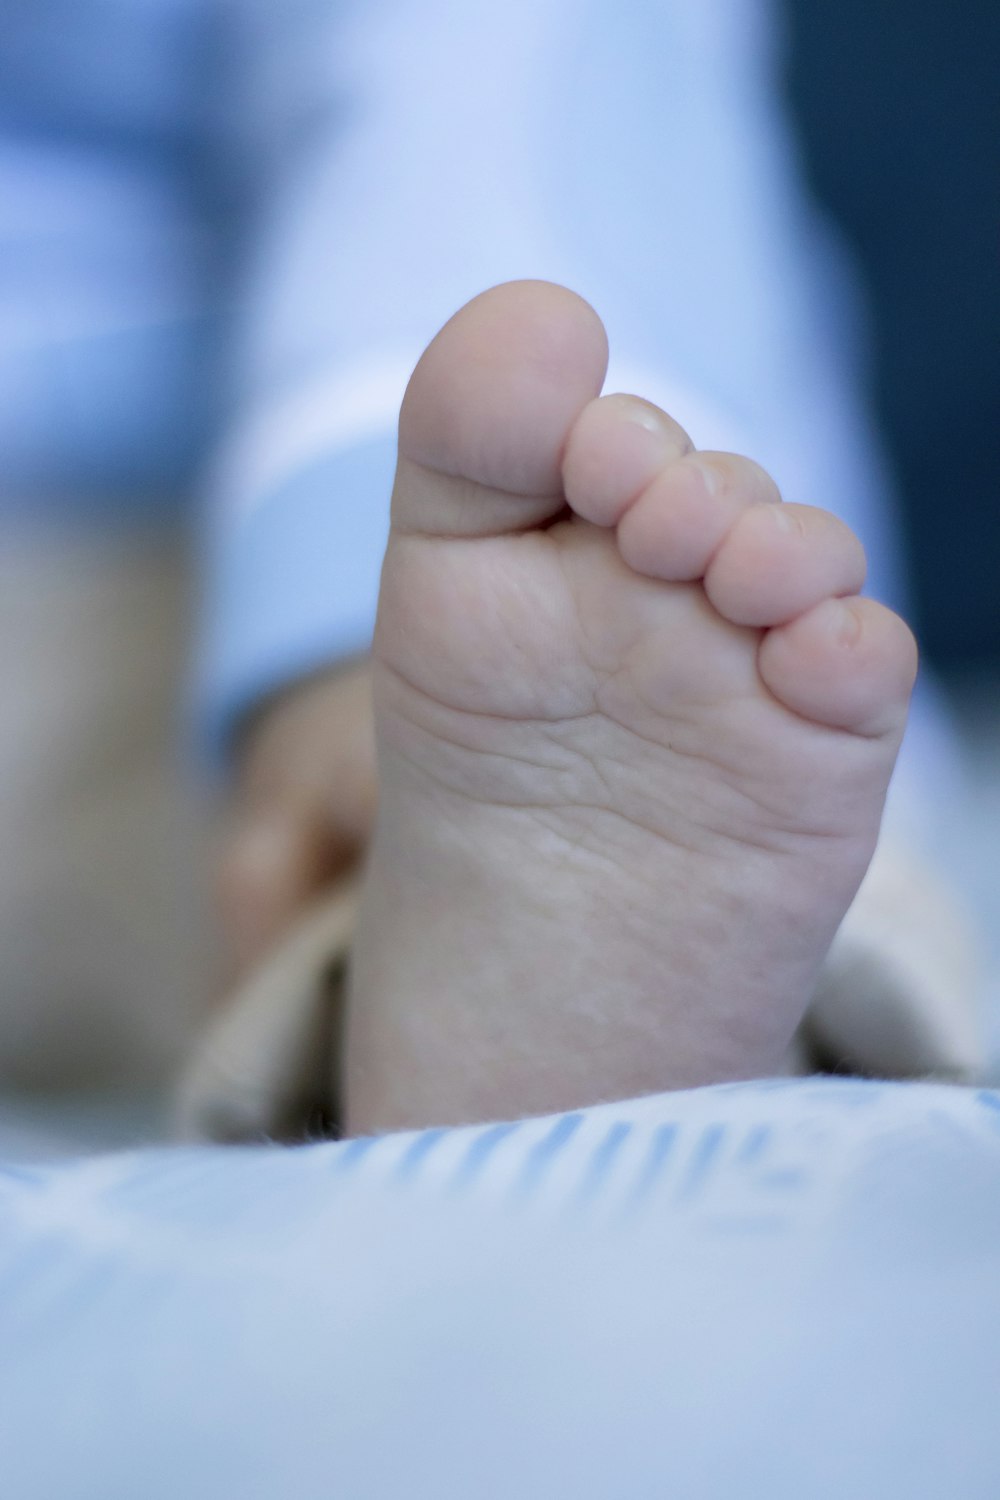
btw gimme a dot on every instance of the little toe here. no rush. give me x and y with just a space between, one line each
618 444
778 561
847 663
679 522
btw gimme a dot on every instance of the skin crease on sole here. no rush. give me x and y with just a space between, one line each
635 727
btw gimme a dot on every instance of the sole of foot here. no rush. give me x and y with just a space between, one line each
635 724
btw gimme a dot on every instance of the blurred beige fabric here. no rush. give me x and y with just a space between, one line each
104 952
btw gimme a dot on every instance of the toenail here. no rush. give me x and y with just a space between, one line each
787 520
844 625
710 476
644 414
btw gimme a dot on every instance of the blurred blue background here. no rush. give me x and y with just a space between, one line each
898 111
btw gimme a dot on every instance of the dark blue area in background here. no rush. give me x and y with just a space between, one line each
898 107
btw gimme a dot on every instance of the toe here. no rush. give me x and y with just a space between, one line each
676 526
488 411
847 663
778 561
618 445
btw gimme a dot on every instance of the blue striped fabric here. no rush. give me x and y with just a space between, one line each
787 1289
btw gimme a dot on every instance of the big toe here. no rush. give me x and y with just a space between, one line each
489 408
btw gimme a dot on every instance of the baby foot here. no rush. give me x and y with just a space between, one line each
635 730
